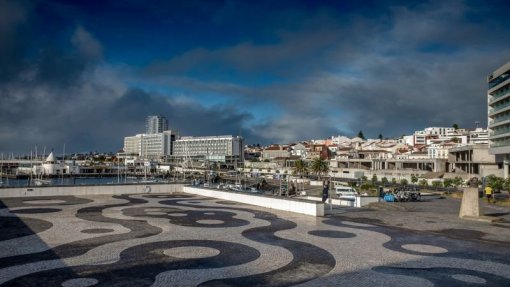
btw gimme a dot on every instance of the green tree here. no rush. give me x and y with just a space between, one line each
506 184
457 181
319 166
448 182
495 182
423 182
414 179
300 168
384 180
374 178
360 135
380 136
403 181
455 126
393 181
437 183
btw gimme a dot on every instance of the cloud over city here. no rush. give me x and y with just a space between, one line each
301 71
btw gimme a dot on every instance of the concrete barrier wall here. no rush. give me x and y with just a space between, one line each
334 201
359 202
89 190
366 200
302 206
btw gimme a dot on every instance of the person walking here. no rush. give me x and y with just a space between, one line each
488 193
325 190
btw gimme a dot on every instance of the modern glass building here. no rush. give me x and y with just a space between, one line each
156 124
498 97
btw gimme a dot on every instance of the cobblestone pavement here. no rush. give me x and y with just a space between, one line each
183 240
438 216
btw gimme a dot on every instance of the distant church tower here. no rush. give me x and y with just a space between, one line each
156 124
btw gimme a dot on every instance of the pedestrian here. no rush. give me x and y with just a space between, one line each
325 190
488 193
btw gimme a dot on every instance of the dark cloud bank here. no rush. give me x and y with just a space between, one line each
391 73
53 96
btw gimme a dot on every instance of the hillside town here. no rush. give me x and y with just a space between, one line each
429 156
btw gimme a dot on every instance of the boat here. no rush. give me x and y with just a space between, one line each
148 180
42 182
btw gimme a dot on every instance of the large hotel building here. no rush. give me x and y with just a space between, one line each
498 97
224 149
159 143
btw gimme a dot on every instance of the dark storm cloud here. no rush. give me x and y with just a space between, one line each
58 96
399 69
302 70
13 15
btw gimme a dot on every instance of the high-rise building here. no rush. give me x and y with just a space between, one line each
156 124
498 97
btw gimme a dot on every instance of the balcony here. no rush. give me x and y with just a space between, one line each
500 131
497 121
494 110
499 95
500 143
499 85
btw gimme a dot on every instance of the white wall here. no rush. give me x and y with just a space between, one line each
89 190
294 205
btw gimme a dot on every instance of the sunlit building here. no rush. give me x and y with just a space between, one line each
498 97
150 146
224 149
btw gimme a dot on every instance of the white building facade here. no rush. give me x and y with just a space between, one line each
498 101
215 148
150 146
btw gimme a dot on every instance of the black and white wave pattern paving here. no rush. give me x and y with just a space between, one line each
184 240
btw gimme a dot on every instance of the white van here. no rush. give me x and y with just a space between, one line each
346 192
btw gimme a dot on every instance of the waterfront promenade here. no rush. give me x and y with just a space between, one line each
187 240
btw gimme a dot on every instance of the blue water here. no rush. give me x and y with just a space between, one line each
72 181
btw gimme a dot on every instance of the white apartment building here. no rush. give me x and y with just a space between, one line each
340 140
133 144
150 146
214 148
439 150
479 136
498 101
440 131
423 137
298 150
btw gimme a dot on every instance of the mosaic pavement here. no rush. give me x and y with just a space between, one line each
183 240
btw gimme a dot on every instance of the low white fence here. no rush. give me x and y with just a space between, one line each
302 206
89 190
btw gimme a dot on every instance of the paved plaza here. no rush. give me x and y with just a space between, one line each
182 240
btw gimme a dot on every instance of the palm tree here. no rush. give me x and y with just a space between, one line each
319 166
300 168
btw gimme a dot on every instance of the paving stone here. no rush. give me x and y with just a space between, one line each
183 240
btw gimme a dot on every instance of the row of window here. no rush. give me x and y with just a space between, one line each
503 77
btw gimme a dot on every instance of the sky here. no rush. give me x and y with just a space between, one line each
85 74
